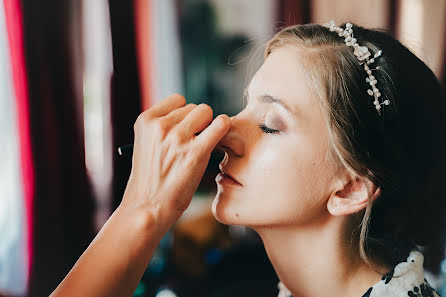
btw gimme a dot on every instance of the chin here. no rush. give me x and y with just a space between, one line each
224 213
231 212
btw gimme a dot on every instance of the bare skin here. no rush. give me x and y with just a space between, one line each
290 193
169 155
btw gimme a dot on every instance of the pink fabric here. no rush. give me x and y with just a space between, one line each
144 51
14 24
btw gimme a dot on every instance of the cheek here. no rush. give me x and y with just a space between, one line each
285 183
288 169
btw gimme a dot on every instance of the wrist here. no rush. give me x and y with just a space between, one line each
148 219
153 207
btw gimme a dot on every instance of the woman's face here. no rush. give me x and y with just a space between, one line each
285 176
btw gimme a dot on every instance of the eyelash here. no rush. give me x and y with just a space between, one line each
266 129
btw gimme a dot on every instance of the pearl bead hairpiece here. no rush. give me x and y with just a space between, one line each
363 54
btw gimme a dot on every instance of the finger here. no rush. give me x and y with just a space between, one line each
165 106
196 121
176 116
209 138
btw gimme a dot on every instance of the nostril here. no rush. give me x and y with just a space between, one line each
218 154
219 149
229 150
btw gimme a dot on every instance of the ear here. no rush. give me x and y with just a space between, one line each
352 197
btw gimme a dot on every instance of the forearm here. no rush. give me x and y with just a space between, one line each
115 261
168 163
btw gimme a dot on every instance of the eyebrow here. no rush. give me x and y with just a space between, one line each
266 98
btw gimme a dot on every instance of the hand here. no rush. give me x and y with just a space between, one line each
168 163
169 160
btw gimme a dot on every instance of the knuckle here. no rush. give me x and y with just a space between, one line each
160 125
179 97
177 136
205 107
142 121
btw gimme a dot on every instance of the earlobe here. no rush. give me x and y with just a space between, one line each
352 197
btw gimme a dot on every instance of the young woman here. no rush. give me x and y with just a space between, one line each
338 162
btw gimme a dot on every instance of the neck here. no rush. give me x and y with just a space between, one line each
318 260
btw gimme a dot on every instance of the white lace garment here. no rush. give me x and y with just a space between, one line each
405 279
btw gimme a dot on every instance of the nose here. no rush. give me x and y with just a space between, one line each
233 143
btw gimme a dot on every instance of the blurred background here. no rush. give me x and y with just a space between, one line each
75 74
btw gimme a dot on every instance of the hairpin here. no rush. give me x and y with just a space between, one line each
363 54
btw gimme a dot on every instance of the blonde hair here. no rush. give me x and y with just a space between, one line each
334 73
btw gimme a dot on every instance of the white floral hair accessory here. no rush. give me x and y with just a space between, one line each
363 54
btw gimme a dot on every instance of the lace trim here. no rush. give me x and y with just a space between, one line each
283 291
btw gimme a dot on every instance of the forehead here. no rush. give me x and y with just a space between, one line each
282 75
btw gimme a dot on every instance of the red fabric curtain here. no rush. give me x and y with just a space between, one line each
292 12
62 208
144 51
14 24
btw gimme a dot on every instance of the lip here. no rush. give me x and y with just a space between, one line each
226 174
223 179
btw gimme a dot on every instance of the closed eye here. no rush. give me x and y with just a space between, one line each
266 129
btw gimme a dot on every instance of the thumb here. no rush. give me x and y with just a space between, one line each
209 137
